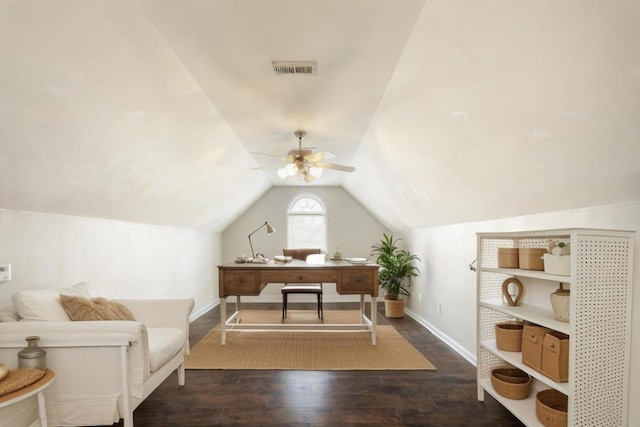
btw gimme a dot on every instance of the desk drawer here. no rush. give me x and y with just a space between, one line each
241 282
300 276
356 282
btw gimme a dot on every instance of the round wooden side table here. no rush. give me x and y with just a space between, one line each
36 388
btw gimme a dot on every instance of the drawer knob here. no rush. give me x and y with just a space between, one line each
358 279
241 279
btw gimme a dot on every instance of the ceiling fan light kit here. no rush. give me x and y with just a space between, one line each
306 163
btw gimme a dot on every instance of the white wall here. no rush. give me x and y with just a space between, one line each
447 280
119 259
351 228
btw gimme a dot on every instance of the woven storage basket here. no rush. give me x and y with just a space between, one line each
508 258
511 382
509 336
531 258
394 308
551 408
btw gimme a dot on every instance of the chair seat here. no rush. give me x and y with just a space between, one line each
302 289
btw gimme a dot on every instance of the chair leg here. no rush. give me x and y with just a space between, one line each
284 306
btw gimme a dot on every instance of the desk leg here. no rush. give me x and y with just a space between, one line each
362 313
238 308
42 411
223 319
374 319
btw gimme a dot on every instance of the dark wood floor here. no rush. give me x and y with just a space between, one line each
445 397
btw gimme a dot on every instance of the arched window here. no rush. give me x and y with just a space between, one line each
307 223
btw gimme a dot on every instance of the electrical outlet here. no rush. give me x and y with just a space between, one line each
5 272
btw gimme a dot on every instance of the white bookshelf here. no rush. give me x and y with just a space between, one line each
600 328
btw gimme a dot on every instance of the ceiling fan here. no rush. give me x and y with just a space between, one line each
305 162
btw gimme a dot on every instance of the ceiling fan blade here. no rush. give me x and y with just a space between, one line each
322 155
272 165
334 166
270 155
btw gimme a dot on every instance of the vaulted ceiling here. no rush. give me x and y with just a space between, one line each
158 111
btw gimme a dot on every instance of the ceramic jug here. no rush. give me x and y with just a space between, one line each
560 301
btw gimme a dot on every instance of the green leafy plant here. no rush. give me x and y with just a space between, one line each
396 266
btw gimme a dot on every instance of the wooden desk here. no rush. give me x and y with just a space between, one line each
26 392
250 280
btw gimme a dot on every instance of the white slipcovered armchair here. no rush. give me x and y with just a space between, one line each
104 369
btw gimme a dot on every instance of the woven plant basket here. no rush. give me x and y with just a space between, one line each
511 382
394 308
551 408
509 336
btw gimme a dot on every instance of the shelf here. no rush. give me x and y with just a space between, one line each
538 315
534 274
515 358
524 410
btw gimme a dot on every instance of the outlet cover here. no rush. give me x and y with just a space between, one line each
5 272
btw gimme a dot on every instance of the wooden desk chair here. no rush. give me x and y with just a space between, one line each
301 288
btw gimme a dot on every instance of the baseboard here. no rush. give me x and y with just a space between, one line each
204 310
443 337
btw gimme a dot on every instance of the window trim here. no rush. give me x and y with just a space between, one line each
324 213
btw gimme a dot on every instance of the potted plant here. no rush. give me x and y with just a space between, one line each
396 270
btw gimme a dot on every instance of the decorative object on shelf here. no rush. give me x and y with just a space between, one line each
509 336
338 255
32 356
546 351
396 267
559 265
560 248
511 382
508 258
551 408
555 356
509 294
270 231
561 303
241 259
532 337
531 258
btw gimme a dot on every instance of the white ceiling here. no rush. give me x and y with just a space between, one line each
451 111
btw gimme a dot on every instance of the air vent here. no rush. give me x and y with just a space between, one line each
294 67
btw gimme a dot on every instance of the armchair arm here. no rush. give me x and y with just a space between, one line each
71 334
74 349
162 312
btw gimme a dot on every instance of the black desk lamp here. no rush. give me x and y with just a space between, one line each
270 231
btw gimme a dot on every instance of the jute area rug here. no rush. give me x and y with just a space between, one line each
302 350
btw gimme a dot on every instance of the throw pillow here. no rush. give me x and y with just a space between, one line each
40 304
9 314
82 289
81 308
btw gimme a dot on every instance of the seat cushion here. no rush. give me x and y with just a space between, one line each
295 288
164 343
